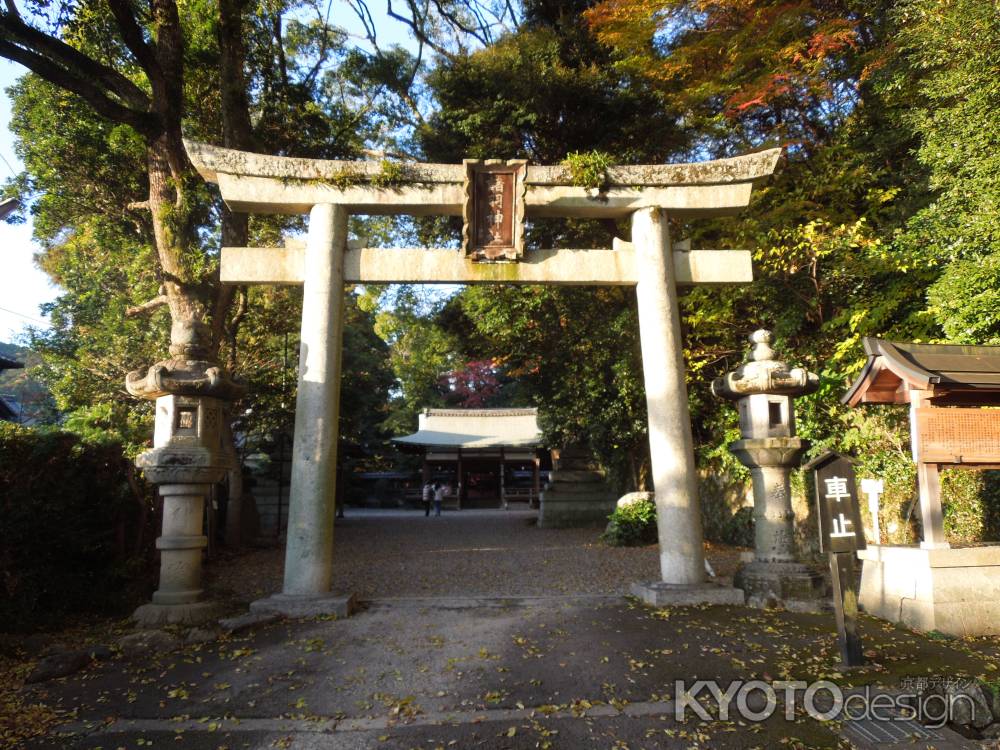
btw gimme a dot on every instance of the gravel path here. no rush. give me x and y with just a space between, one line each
467 553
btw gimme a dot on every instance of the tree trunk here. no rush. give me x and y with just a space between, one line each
190 332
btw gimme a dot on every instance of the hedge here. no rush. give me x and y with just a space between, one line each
75 528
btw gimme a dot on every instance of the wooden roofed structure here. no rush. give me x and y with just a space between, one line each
489 457
947 374
937 381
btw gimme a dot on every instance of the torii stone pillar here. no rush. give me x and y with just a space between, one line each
312 499
671 448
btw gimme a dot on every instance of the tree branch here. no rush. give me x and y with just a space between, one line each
417 29
323 50
143 121
146 307
17 33
133 37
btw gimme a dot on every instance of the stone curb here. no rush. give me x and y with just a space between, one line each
322 725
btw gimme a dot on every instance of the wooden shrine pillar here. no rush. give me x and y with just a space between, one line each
928 480
536 480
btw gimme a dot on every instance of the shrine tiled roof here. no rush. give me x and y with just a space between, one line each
476 428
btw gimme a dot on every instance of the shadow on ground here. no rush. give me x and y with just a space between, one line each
561 674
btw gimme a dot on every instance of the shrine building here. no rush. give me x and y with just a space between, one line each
487 458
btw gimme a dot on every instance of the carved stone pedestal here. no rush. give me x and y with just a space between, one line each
186 460
764 390
775 577
793 586
176 600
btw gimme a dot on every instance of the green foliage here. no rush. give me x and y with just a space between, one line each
589 169
71 528
722 496
971 505
738 529
632 525
966 299
390 173
539 94
81 174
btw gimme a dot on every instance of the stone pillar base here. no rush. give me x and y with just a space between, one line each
954 591
660 594
789 585
192 613
339 605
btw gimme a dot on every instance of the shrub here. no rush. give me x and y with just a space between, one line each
738 529
632 524
71 524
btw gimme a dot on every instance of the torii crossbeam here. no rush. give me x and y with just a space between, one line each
330 191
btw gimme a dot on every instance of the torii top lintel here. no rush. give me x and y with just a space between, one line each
258 183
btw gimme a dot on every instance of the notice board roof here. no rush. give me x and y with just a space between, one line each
953 373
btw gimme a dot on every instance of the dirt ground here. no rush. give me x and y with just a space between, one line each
443 654
381 554
557 673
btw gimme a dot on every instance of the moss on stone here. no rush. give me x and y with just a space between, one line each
589 169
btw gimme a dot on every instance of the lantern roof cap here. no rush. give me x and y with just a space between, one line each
762 373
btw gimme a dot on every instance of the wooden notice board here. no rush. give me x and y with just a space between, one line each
958 436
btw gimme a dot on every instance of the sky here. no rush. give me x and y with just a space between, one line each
23 287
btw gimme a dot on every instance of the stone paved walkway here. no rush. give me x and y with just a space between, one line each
559 675
479 631
381 554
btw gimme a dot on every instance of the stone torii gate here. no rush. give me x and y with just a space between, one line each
494 197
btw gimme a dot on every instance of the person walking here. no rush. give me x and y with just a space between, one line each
428 490
438 497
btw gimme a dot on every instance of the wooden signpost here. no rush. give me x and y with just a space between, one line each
841 535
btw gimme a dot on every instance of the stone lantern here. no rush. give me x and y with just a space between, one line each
764 390
189 455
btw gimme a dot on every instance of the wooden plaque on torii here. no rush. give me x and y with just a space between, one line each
493 215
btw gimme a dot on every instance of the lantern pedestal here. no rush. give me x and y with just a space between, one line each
951 590
791 585
775 578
